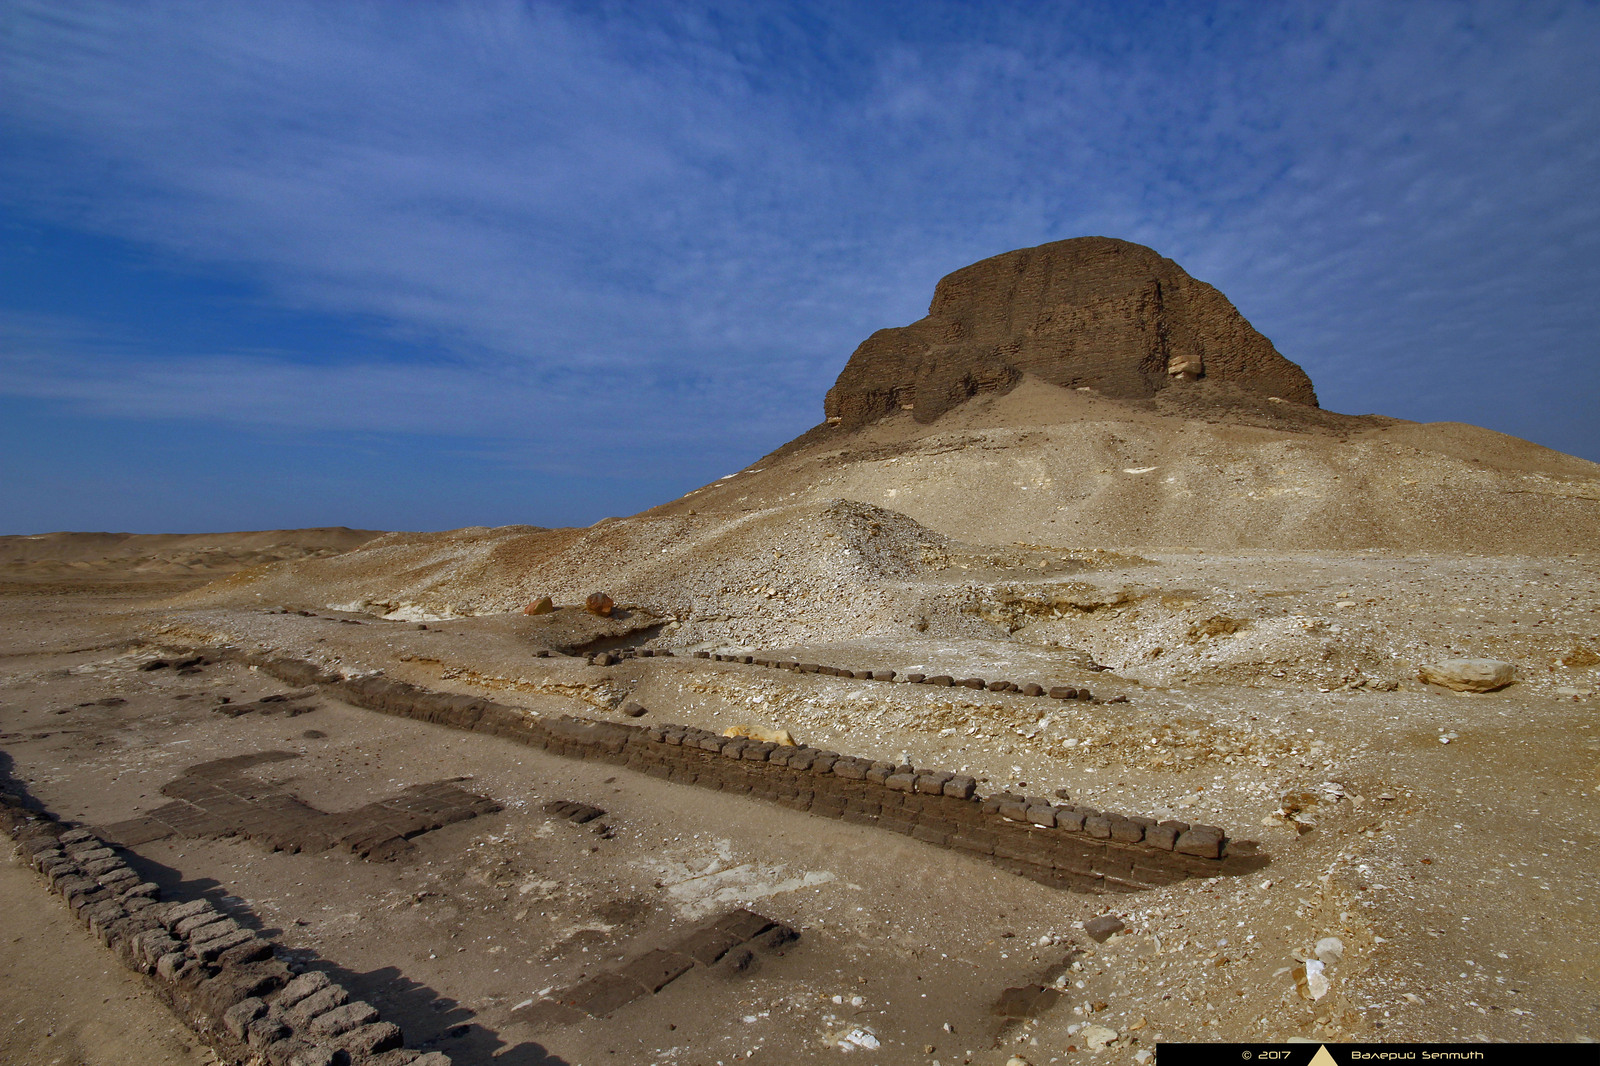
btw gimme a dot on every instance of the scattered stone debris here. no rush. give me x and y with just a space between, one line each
1103 928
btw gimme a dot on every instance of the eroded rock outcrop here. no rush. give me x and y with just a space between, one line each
1088 312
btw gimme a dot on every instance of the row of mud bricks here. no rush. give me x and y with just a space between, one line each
1056 692
1064 846
222 979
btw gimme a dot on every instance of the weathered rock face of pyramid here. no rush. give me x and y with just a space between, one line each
1089 312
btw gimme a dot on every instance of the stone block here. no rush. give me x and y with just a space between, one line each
1098 826
899 782
1069 819
177 912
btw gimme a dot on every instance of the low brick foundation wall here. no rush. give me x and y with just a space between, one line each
1064 846
223 980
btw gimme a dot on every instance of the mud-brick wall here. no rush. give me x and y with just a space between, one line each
1066 846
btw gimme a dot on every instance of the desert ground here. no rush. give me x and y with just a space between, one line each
1075 619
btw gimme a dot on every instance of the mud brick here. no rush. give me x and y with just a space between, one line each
302 986
712 743
802 760
264 1032
187 927
313 1055
976 841
319 1002
125 929
1164 837
878 773
1016 848
1063 692
143 890
342 1019
119 878
851 769
174 966
657 969
153 944
1069 818
931 784
237 1018
228 987
736 786
96 867
87 852
80 901
1126 830
899 782
75 836
858 817
1201 841
74 880
960 787
1116 864
253 950
828 803
602 994
1043 816
932 834
863 805
1032 689
822 762
371 1039
757 752
1098 826
972 683
208 950
896 823
1014 811
1154 874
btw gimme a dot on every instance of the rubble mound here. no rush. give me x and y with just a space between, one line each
1091 312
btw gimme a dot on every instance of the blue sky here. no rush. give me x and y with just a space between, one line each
427 265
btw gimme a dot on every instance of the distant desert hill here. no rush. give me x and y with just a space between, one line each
167 554
1086 394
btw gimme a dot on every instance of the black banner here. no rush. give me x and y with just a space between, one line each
1377 1054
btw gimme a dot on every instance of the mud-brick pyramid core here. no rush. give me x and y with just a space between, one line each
1091 312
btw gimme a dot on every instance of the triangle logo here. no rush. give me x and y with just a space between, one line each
1322 1057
